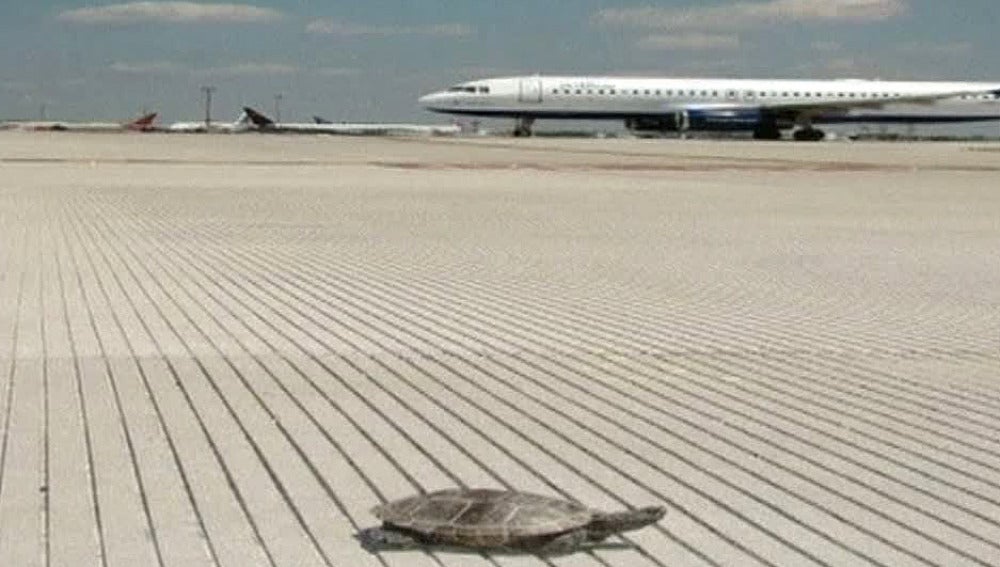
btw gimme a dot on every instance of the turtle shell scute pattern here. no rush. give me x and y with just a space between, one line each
482 517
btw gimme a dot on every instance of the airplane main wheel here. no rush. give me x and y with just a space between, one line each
809 135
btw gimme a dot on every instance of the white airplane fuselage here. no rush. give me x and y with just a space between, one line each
666 104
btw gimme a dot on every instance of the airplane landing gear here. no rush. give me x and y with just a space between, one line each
809 134
767 132
523 127
767 128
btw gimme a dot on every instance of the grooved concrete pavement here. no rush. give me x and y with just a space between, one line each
226 350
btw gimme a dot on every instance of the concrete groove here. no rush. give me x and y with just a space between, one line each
355 525
985 541
186 396
264 407
501 421
228 363
254 447
357 368
551 486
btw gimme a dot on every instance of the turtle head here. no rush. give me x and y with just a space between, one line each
605 524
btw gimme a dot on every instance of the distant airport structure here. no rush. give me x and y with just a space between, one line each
764 107
144 123
320 125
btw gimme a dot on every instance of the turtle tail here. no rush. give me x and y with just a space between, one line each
607 524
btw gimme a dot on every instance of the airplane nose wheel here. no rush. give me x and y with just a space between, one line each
523 127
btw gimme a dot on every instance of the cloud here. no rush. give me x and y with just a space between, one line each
956 49
145 68
826 46
171 13
689 42
14 86
336 71
348 29
248 69
741 15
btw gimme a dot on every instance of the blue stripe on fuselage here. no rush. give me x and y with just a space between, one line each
722 119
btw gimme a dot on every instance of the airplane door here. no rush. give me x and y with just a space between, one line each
531 91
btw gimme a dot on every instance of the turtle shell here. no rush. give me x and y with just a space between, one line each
483 517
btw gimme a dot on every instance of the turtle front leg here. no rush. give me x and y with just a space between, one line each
565 543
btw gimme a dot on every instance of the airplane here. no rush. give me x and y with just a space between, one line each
764 107
143 123
321 126
241 124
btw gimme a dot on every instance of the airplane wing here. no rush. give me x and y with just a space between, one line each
874 102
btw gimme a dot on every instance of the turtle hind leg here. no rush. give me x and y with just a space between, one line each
382 538
563 543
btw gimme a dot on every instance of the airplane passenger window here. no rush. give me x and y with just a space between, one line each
784 95
715 93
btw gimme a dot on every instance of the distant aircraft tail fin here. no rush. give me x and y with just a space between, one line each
143 123
258 119
321 120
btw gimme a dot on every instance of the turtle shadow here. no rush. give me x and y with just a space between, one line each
372 544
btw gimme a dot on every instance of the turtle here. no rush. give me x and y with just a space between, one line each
498 519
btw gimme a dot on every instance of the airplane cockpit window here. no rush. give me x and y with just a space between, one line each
484 90
462 89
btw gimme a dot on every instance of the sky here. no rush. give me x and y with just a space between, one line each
371 59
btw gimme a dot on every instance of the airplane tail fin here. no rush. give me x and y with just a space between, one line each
143 123
258 119
321 120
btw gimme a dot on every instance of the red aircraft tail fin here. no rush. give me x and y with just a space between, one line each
142 123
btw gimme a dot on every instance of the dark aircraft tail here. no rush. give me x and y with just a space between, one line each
258 119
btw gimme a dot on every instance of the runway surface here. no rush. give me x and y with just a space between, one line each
226 350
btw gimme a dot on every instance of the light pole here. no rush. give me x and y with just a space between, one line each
208 105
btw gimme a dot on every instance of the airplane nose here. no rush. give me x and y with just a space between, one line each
431 100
